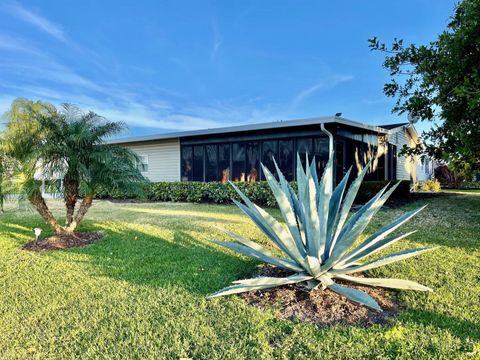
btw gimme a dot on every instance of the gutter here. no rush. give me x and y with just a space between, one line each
330 149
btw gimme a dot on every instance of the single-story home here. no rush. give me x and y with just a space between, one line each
235 153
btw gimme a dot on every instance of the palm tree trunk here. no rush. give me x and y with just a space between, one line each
71 196
41 206
82 210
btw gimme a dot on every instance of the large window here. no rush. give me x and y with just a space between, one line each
269 153
286 158
238 162
224 162
198 163
187 163
321 153
304 148
339 161
253 163
211 162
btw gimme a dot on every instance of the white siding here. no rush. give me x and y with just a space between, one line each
406 166
425 168
163 159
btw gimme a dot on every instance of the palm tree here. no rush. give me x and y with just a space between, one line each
67 144
2 175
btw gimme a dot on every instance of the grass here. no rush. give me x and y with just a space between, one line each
472 191
140 292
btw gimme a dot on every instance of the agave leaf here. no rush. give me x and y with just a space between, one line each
355 295
354 227
385 260
301 180
285 204
314 265
271 228
264 280
274 231
324 194
347 204
260 253
334 208
356 255
381 234
349 260
386 283
292 197
239 288
312 224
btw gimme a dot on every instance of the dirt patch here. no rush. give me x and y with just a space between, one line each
64 241
322 307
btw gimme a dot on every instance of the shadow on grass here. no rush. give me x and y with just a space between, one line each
462 329
178 260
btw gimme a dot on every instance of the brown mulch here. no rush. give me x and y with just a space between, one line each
64 241
321 307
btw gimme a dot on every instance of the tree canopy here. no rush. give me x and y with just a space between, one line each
440 82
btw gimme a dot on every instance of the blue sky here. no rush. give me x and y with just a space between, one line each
164 66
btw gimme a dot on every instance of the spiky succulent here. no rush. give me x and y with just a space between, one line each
319 236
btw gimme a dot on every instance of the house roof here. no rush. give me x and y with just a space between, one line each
393 126
252 127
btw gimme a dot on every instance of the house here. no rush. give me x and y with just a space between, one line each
235 153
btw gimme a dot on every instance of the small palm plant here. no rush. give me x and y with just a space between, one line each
319 237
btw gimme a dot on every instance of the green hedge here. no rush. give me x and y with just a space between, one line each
465 185
218 193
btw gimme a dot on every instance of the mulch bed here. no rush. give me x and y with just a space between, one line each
64 241
321 307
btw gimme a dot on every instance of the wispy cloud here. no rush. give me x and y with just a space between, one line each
28 70
217 40
326 83
35 20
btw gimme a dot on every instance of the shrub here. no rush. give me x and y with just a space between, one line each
319 238
219 193
369 188
428 186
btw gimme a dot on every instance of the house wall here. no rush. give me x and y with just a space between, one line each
406 166
163 159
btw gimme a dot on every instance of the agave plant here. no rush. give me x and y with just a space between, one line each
320 239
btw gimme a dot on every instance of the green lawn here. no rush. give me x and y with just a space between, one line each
472 191
140 292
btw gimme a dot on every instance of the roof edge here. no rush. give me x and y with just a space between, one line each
250 127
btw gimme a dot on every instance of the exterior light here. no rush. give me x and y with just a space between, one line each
37 231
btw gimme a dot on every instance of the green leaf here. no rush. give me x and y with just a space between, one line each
385 260
260 254
285 204
354 227
334 208
356 296
277 234
386 283
292 197
370 250
381 234
347 204
312 224
324 194
239 288
267 280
